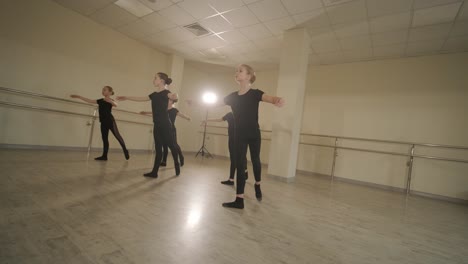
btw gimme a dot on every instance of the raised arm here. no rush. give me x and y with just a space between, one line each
133 98
184 116
277 101
87 100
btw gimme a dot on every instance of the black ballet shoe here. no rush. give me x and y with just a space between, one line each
228 182
103 158
177 169
182 161
127 155
258 192
238 203
151 174
163 164
246 175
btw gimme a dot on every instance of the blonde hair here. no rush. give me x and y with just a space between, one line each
250 71
110 89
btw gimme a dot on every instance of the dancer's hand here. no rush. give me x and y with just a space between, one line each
280 103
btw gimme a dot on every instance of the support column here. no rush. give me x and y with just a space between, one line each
176 72
287 120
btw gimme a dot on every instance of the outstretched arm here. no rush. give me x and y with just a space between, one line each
133 98
83 99
146 113
277 101
211 120
184 116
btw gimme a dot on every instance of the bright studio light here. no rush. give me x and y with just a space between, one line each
209 98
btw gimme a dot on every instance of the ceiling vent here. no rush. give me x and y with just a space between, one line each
197 29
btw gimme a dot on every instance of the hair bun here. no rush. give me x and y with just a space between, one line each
169 81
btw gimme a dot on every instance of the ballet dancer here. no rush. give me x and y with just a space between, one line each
244 104
173 113
107 120
162 131
229 118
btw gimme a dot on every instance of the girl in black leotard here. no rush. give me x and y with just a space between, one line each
107 120
173 113
162 131
244 104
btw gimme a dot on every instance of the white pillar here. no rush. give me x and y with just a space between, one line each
176 72
287 120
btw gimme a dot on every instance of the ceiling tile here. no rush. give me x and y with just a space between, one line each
198 8
241 17
357 54
347 12
85 7
233 37
459 29
456 44
172 36
255 32
330 57
312 19
321 34
225 5
424 47
419 4
390 22
177 15
429 32
156 20
277 26
208 42
135 7
353 43
435 15
351 29
217 24
301 6
157 5
184 47
244 47
325 46
397 50
463 15
334 2
389 38
268 43
385 7
113 16
250 1
266 10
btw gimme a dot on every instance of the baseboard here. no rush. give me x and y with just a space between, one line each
281 179
388 188
64 148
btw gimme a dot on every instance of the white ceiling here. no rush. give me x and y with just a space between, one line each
250 31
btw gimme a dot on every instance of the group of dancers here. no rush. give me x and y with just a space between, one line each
243 127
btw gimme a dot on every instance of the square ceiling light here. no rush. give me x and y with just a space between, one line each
135 7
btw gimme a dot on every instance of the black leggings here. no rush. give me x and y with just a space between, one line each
179 150
233 157
163 135
253 142
112 126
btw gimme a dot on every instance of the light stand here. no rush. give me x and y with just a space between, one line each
203 149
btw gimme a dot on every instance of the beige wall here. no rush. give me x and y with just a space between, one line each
46 48
419 99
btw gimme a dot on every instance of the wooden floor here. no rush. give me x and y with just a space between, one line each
57 207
